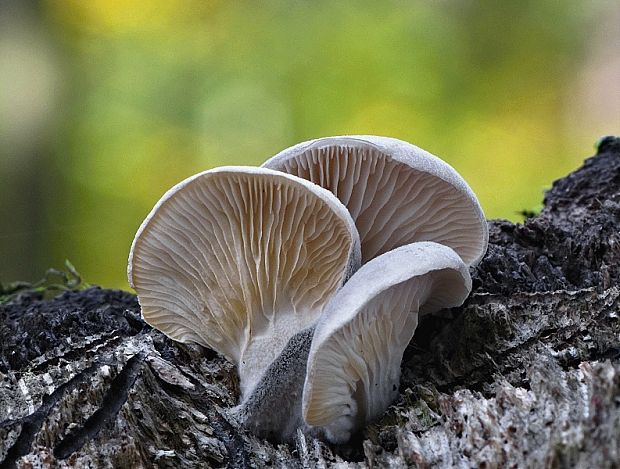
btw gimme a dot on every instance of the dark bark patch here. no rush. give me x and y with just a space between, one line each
112 403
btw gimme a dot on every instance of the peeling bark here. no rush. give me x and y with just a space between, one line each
525 374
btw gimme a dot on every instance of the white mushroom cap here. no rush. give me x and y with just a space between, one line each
396 192
353 369
239 259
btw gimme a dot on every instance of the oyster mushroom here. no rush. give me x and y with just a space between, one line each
353 367
240 259
396 192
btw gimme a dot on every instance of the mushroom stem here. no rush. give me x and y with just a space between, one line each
264 348
272 409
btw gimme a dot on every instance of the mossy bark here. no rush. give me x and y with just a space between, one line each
525 374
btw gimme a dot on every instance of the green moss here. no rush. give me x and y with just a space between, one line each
54 282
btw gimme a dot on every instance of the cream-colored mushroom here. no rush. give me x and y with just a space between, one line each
396 192
353 368
239 259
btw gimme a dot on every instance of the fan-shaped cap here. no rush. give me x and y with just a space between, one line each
353 368
396 192
239 259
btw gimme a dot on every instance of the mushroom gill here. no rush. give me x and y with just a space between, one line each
396 192
240 259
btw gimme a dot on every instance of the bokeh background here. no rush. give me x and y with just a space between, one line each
105 104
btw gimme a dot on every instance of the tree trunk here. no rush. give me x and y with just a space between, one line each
525 374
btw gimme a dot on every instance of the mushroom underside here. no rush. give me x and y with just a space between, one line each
394 200
240 261
353 369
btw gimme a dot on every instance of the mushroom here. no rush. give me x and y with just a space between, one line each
353 368
240 259
396 192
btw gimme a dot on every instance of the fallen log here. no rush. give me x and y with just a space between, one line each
525 374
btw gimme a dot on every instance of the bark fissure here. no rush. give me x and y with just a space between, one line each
111 405
32 423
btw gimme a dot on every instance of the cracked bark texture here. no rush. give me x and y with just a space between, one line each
525 374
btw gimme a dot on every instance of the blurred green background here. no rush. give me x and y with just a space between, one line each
105 104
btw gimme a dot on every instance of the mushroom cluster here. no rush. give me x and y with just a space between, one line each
310 274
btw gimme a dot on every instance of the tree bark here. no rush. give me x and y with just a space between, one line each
525 374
